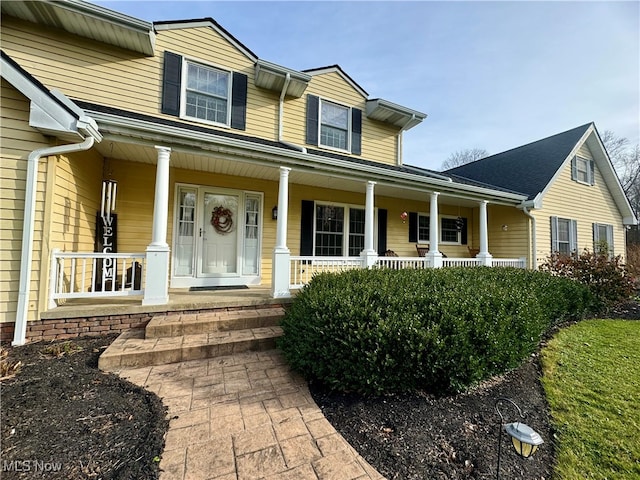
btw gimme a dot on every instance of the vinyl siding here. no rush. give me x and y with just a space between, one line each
584 203
379 140
18 140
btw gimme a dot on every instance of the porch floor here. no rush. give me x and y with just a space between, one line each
180 299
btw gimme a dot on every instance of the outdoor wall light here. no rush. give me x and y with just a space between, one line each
524 438
274 213
505 227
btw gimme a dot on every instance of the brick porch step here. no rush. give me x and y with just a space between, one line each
182 337
217 321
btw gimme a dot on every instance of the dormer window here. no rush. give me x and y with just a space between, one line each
582 170
207 91
333 126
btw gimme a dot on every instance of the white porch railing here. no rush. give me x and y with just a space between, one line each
303 268
94 274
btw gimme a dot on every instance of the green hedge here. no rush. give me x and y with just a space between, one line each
440 330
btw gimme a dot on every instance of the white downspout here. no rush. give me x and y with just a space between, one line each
534 246
399 141
287 80
20 329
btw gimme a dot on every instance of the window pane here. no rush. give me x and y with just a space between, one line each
582 167
333 137
335 115
207 92
449 230
563 236
423 228
329 230
356 231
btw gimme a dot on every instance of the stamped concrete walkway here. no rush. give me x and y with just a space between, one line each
246 417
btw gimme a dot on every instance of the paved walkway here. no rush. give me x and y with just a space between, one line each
246 416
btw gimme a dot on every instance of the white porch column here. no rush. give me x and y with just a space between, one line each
434 234
369 255
281 254
156 290
484 254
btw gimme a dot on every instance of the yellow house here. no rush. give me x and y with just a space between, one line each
140 160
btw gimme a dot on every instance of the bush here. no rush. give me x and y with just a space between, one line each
440 330
605 276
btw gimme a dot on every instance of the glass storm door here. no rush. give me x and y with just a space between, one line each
219 235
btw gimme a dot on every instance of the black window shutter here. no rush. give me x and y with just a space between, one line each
313 106
382 231
463 232
171 79
592 172
413 227
239 101
356 131
306 227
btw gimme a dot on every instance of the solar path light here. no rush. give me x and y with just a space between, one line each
524 438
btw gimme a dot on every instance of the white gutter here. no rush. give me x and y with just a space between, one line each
534 246
20 330
287 79
118 125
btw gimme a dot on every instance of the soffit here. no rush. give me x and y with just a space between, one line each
88 21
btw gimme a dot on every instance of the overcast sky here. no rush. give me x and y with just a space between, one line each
492 75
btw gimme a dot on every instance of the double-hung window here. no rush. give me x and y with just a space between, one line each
206 95
564 236
582 170
334 125
423 228
449 230
338 229
603 238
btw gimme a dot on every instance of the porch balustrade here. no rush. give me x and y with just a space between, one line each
95 274
303 268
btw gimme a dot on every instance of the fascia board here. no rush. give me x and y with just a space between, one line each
158 132
44 111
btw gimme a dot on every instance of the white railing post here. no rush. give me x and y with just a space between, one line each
53 276
484 256
280 274
434 254
156 290
368 255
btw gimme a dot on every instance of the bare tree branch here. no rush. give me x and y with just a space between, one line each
462 157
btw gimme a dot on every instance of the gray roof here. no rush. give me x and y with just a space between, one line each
527 169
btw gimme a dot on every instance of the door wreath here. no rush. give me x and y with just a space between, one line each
222 220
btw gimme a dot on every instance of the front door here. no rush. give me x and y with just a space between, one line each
217 237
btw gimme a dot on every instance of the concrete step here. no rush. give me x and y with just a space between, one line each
175 325
132 349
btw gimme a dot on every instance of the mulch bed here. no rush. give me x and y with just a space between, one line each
61 418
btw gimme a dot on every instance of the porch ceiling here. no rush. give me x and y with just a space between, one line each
234 166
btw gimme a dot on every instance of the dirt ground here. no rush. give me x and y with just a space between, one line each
61 418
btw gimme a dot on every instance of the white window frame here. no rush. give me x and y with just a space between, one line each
572 242
346 221
608 237
183 91
422 241
349 126
588 173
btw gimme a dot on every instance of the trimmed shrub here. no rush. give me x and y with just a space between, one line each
440 330
606 277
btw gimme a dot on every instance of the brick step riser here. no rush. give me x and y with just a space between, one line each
189 352
212 325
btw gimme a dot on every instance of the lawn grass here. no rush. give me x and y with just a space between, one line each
591 375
